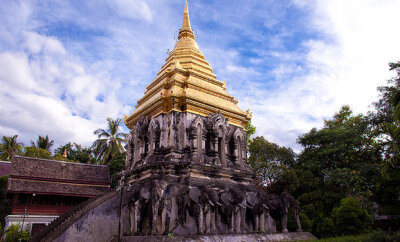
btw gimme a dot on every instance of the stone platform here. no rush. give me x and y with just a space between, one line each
296 236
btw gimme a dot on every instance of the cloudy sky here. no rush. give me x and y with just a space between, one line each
65 66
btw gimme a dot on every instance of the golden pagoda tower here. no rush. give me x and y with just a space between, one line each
186 83
187 133
185 171
186 113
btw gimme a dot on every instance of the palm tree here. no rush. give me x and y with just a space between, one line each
43 143
9 146
110 142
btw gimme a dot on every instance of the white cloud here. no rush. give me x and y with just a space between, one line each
36 43
67 85
345 67
136 9
47 91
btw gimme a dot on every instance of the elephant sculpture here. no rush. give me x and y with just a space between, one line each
202 207
174 199
257 206
137 208
155 207
196 208
210 203
157 190
225 212
239 210
279 208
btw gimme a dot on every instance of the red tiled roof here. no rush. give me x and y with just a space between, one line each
42 176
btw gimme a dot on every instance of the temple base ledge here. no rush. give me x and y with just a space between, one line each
294 236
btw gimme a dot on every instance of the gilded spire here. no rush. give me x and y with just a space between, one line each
186 83
186 20
186 30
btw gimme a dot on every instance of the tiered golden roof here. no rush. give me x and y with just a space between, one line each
186 83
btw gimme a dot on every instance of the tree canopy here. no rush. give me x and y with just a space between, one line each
110 142
386 121
346 171
269 160
76 152
43 143
9 146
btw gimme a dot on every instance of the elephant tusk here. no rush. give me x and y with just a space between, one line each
219 204
211 203
265 206
240 205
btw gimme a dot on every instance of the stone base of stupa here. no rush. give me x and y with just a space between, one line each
296 236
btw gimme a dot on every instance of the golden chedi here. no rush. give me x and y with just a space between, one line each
186 83
185 171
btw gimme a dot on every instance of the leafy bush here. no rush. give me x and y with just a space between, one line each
350 238
396 236
306 223
60 157
374 236
14 233
378 236
37 153
350 218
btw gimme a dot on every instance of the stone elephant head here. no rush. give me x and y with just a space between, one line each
195 209
257 207
175 198
225 211
279 208
138 198
158 188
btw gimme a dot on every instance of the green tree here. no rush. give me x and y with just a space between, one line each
350 217
110 142
269 160
14 233
116 166
339 160
37 153
9 146
75 152
43 143
395 90
387 196
67 147
386 121
250 130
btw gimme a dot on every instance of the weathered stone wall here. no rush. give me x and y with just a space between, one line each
99 224
94 220
186 137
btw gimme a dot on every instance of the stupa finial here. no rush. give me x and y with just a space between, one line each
186 30
186 20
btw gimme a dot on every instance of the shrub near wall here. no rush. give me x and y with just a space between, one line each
350 218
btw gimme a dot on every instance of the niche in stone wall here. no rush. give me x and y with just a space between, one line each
231 150
239 150
209 143
221 145
146 145
157 135
199 141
